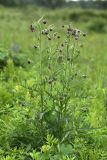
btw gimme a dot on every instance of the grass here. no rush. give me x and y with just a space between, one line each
28 131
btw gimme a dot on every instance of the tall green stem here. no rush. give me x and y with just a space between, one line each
41 69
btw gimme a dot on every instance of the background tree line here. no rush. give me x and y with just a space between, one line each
56 3
48 3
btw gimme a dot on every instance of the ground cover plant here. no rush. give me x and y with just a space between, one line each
53 89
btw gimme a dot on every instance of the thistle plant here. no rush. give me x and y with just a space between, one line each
58 48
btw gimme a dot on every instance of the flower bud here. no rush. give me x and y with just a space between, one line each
51 29
49 38
84 34
32 28
44 21
35 46
58 37
29 61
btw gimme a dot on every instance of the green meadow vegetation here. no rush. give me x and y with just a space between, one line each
53 84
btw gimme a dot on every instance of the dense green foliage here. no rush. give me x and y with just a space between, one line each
48 3
100 4
53 103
